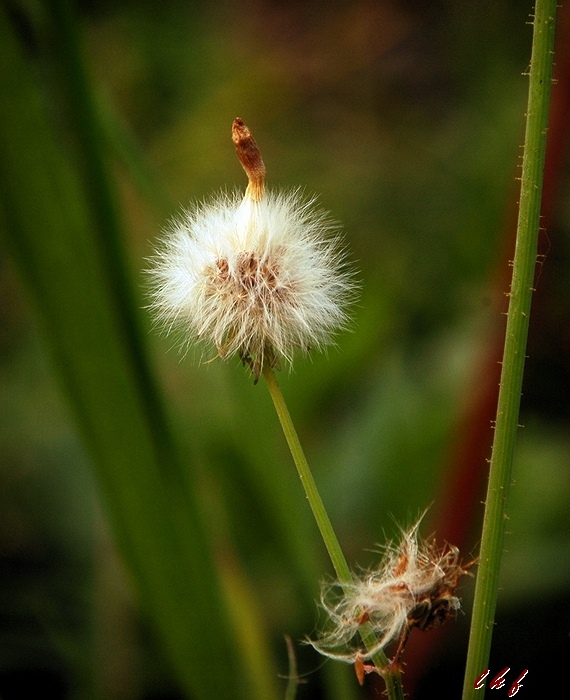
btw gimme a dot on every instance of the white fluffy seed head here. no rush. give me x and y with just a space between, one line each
257 278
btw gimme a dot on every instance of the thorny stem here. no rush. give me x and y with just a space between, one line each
495 517
390 673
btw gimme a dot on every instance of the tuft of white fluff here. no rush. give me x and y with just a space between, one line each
414 586
255 278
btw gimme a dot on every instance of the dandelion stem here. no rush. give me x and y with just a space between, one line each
321 516
495 517
391 674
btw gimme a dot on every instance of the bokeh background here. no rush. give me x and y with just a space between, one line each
406 118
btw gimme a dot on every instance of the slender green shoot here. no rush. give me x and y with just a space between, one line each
391 675
293 678
495 517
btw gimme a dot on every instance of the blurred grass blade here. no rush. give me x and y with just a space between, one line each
77 282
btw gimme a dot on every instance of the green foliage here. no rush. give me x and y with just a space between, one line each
407 122
96 349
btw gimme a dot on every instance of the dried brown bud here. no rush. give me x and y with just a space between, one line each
250 157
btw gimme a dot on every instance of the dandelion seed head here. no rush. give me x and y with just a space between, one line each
260 276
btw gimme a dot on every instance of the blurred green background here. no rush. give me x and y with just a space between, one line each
154 539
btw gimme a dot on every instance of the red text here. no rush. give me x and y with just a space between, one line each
499 681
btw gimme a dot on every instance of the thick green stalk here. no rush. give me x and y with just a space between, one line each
495 517
392 677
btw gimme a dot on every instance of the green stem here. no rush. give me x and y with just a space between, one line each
293 682
321 516
495 517
391 675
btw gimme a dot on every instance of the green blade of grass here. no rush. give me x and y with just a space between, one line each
72 278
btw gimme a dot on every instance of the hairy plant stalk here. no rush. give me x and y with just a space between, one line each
495 517
391 675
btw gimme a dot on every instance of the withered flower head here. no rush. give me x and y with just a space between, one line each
414 586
